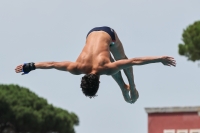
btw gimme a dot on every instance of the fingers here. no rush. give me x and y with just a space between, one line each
19 68
172 62
169 61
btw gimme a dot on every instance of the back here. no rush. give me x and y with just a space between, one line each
95 53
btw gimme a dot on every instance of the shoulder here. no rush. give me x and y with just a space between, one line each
73 68
109 69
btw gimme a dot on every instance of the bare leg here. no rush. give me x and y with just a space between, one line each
124 88
118 53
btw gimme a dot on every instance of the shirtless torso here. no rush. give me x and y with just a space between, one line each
95 54
96 58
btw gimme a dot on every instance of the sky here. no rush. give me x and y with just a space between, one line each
49 30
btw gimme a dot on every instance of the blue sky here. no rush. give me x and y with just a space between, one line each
35 31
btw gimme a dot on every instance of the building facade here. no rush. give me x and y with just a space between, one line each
174 120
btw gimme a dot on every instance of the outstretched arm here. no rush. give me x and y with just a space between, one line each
125 63
63 66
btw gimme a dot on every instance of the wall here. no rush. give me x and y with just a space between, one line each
157 122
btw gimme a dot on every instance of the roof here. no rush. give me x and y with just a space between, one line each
173 109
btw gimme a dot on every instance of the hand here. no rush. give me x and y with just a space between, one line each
168 61
19 68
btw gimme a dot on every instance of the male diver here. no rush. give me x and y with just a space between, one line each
95 60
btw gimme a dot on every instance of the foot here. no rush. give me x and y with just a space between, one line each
134 95
125 92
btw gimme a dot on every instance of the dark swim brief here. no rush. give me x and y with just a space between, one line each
108 30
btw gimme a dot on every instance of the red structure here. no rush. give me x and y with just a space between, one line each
174 120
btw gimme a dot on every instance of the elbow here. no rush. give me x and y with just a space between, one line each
52 64
136 63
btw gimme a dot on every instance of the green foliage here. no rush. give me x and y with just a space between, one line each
191 42
29 113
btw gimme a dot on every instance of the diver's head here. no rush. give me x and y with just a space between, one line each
90 85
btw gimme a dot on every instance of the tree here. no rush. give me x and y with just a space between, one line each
23 111
191 42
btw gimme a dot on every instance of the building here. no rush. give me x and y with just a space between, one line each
174 120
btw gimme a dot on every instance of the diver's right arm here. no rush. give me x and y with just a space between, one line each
63 66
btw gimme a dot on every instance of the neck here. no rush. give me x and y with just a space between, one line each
96 73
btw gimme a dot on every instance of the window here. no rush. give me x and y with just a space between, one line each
199 113
194 130
169 131
182 131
